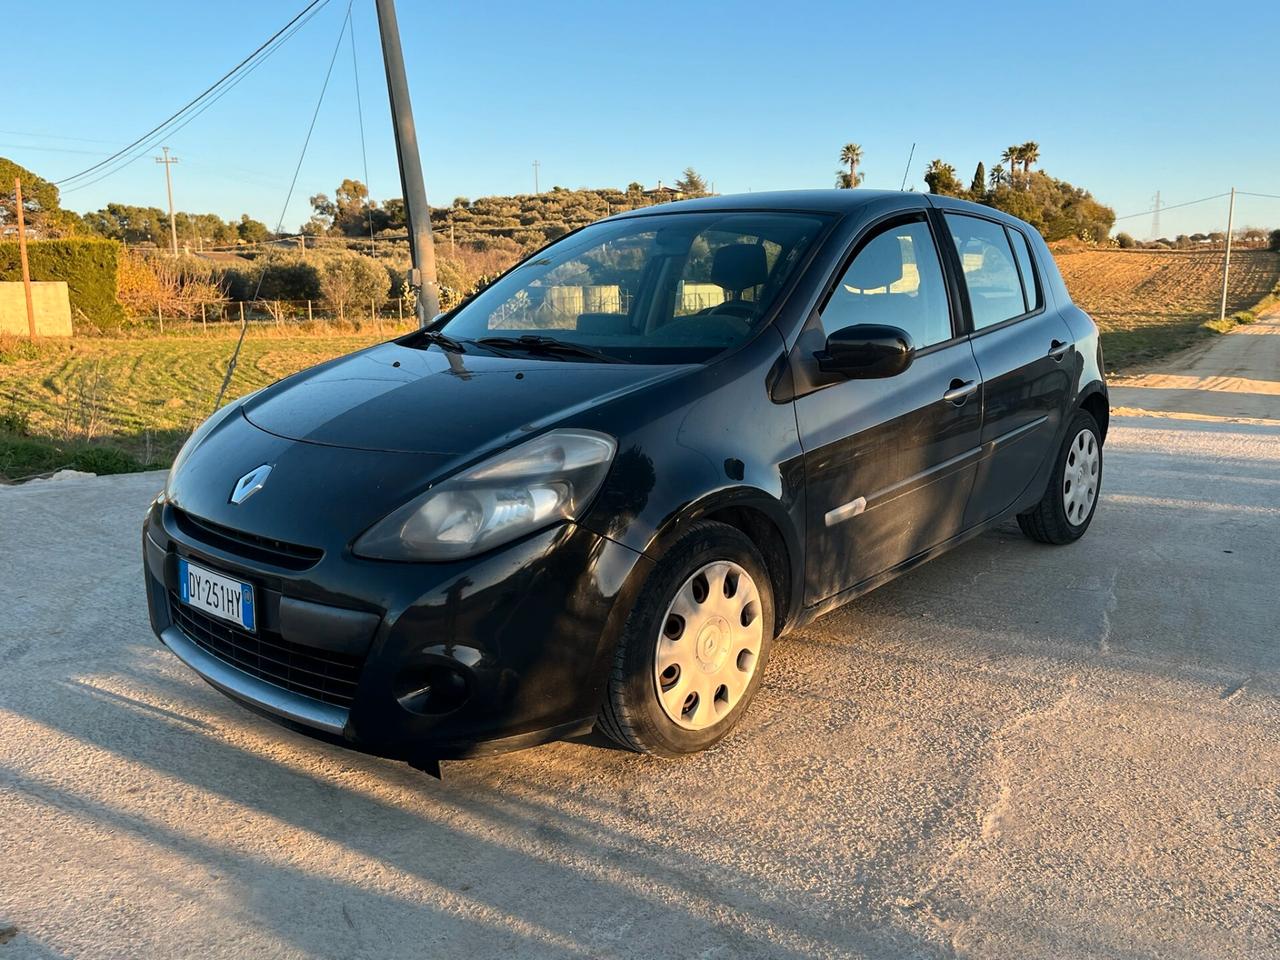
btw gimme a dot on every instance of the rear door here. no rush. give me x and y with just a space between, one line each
889 463
1025 355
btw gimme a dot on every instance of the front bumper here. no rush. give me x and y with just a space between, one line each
411 661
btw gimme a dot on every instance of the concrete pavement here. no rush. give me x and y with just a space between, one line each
1015 751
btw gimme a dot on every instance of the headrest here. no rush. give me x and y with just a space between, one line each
877 265
739 266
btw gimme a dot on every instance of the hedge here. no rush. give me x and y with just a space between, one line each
88 266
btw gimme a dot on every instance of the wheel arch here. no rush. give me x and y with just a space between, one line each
766 523
1094 400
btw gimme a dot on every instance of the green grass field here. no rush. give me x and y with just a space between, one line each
116 405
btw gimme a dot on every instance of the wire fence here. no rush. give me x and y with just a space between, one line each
284 314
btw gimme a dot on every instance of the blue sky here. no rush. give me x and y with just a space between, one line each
1124 98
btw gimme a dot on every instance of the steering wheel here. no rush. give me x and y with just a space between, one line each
733 308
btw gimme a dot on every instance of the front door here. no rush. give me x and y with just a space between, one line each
1024 351
889 463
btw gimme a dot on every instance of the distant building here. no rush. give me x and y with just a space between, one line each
664 193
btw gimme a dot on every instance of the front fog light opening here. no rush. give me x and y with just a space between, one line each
432 690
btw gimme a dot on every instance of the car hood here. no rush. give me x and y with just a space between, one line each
400 399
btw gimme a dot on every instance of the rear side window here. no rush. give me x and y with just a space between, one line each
1030 283
995 289
895 280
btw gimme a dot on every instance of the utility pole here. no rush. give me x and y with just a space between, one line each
536 165
1155 218
1226 261
169 161
22 255
422 251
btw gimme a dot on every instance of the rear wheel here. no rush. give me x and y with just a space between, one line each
694 647
1066 509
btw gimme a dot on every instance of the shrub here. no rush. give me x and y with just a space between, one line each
90 269
1125 242
353 282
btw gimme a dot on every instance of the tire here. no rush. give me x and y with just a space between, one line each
706 652
1065 512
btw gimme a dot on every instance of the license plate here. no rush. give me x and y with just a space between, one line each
214 593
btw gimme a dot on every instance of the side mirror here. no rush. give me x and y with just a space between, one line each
867 351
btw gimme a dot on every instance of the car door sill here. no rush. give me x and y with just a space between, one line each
816 610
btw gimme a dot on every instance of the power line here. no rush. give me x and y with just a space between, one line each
364 156
1172 206
1267 196
193 102
141 150
235 355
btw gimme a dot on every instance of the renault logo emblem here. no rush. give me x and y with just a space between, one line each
250 483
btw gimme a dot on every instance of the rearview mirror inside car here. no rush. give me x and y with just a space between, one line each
867 351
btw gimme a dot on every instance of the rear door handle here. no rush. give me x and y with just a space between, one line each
1058 349
960 391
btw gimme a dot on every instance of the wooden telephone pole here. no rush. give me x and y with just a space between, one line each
22 255
422 276
168 162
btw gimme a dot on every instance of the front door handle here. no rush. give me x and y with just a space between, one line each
960 391
1058 349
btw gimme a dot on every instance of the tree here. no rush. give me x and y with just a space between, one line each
351 201
691 183
1273 241
851 154
979 185
1012 156
941 178
1030 153
252 231
41 207
322 216
353 281
998 176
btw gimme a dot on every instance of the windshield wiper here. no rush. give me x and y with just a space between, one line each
442 340
533 343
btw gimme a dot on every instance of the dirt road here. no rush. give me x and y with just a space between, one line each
1015 751
1236 377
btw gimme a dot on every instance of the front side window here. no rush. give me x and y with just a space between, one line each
895 280
995 289
669 288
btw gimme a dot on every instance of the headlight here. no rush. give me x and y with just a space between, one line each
537 483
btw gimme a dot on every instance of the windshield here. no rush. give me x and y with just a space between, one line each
673 288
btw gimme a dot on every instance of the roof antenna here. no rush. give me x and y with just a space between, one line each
910 157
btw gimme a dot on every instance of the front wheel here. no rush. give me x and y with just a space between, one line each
693 649
1066 509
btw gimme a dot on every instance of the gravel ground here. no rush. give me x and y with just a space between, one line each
1014 751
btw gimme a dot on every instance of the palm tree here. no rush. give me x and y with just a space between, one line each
1030 154
941 178
998 175
1012 156
851 153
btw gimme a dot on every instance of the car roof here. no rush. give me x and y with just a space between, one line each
818 201
833 201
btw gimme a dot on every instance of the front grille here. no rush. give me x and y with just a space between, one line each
279 553
319 674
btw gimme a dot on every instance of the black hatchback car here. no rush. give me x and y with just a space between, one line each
593 495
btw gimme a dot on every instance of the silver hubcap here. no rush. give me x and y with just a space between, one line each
1080 478
708 645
